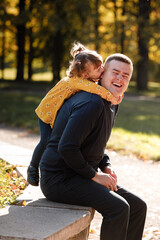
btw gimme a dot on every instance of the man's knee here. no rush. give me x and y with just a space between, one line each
142 206
120 208
125 208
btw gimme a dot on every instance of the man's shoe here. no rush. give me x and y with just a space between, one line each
33 175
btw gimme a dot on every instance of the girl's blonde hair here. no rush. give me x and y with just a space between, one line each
81 56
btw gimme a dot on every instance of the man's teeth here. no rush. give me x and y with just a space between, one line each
116 84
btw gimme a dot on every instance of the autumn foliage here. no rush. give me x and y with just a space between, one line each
11 184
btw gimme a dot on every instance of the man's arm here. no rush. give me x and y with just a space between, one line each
105 162
81 122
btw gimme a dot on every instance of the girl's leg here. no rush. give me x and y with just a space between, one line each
33 171
45 131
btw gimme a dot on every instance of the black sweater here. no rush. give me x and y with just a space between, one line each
79 136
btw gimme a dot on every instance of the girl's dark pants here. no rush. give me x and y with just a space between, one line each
45 131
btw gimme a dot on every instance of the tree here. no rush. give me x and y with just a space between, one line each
3 39
30 39
143 40
61 23
3 48
47 28
115 23
20 41
97 24
122 37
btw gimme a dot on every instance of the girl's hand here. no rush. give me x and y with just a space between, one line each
116 100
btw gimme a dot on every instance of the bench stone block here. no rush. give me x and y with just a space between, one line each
35 223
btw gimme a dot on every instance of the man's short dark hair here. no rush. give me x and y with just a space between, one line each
119 57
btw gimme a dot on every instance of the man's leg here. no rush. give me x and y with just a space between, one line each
137 214
81 191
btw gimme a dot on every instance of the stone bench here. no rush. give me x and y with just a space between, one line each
43 219
40 219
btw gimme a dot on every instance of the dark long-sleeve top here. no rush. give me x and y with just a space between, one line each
79 136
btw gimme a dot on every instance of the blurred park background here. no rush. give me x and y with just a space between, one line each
35 41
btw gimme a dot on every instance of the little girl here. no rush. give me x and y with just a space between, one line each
85 69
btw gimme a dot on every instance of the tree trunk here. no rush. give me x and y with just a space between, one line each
143 39
122 38
58 45
3 49
97 23
116 25
30 54
57 55
20 44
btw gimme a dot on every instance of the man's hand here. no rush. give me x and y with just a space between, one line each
109 170
106 180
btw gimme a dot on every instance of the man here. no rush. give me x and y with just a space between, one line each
76 150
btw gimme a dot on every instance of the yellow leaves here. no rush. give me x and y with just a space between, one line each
21 203
93 234
151 233
14 174
11 184
92 231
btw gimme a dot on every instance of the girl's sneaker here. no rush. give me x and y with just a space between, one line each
33 175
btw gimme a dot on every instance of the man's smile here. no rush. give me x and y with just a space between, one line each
117 85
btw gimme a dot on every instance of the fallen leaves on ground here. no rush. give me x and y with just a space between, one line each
11 184
151 233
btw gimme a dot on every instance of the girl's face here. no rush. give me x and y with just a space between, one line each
93 72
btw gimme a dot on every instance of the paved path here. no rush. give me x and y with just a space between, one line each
142 178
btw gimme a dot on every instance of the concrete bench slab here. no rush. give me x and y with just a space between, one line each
35 223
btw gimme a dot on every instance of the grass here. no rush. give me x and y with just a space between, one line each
137 129
17 109
10 73
137 126
152 91
143 146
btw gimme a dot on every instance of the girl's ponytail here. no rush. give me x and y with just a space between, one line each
77 48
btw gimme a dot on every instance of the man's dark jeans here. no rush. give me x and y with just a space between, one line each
123 212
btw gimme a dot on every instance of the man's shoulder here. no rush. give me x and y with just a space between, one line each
86 103
86 97
82 100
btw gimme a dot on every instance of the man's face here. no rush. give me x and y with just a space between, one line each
116 77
